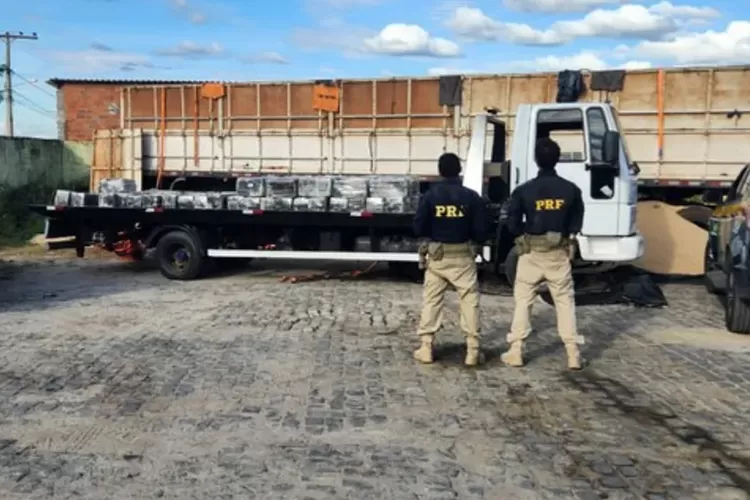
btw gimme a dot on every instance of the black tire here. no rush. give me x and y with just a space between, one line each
708 266
737 311
511 264
179 256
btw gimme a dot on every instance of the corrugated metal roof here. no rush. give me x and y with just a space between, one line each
59 82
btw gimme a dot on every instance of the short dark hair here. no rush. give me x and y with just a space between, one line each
546 153
449 165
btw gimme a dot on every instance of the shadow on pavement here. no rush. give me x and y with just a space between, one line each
610 393
33 286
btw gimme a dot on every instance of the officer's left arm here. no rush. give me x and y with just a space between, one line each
577 210
515 213
421 224
480 220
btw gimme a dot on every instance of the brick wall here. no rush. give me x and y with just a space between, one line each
86 108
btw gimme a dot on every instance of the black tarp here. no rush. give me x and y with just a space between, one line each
451 90
627 286
570 86
611 81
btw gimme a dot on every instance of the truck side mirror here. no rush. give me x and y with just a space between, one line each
611 148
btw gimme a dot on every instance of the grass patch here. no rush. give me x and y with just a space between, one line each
17 223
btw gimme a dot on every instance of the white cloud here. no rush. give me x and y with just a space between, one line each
410 40
626 21
98 60
471 23
333 34
633 65
669 10
731 46
583 60
186 9
557 6
192 50
265 57
344 4
586 60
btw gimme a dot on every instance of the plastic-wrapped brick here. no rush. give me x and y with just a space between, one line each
357 203
375 204
130 200
84 200
201 201
276 204
281 187
393 186
350 187
338 205
62 198
318 186
253 187
311 204
109 200
239 202
160 199
112 186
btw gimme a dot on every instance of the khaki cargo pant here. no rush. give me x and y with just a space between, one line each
459 271
554 268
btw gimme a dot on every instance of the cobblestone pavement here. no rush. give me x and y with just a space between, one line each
115 383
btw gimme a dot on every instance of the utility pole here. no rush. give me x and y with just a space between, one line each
9 38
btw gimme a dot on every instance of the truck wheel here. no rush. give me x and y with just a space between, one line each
708 267
179 257
737 311
511 263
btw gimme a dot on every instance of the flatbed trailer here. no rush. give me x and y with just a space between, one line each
185 241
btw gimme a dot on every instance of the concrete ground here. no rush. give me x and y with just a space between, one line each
116 383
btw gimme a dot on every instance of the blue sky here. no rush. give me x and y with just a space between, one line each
247 40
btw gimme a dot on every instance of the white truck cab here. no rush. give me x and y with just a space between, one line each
594 157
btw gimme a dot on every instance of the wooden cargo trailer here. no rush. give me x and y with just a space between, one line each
687 128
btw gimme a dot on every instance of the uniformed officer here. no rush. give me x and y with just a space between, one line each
553 208
450 217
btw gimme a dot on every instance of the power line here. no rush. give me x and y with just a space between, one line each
35 110
33 83
9 38
30 103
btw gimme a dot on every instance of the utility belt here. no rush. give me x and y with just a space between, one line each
437 251
547 242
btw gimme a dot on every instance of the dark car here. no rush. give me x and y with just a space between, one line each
726 258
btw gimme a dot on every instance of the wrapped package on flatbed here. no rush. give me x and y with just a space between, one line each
159 199
350 187
276 203
113 186
241 202
393 186
62 198
251 187
130 200
84 199
201 201
109 200
391 205
346 205
315 186
310 204
281 186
